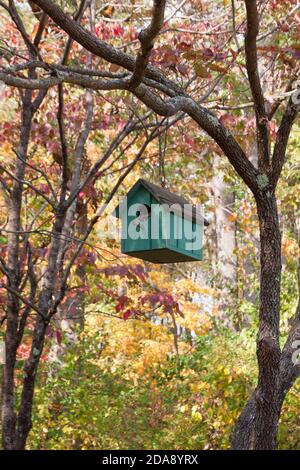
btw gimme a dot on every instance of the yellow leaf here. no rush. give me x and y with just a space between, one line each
217 68
197 416
200 70
232 217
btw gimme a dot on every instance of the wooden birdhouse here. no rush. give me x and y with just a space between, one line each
160 226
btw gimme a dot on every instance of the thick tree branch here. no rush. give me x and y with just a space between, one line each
100 48
282 139
255 85
146 38
206 120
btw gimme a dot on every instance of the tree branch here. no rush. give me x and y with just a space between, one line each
100 48
31 186
282 138
146 38
255 85
32 49
25 301
63 142
206 119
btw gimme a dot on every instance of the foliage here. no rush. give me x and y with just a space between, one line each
101 398
165 355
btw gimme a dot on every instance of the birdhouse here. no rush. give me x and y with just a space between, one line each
160 226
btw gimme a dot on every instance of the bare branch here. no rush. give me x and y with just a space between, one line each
32 49
77 17
287 89
33 288
23 299
41 28
31 186
63 141
92 223
146 38
206 120
101 48
41 172
77 168
255 84
282 138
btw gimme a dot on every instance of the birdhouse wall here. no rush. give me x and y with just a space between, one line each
152 232
129 244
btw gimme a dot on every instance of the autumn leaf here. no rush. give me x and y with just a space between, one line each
200 70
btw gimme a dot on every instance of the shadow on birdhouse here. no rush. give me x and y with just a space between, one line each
160 226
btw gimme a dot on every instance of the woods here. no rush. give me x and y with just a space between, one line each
201 98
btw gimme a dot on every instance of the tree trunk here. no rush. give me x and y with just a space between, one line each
11 336
24 421
257 426
7 412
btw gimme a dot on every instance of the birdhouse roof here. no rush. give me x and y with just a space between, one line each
163 196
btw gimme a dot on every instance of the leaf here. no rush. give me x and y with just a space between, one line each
201 71
192 54
127 314
108 11
123 300
217 68
3 240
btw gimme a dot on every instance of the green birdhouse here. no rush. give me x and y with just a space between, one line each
160 226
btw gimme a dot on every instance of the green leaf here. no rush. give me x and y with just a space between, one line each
3 240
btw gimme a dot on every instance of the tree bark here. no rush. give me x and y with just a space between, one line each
11 336
257 426
24 421
268 349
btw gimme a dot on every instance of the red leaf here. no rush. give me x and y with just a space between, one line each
127 314
123 300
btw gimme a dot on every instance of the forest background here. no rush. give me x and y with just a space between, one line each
137 355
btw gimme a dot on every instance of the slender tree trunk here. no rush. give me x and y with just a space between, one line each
8 414
11 336
24 421
257 426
